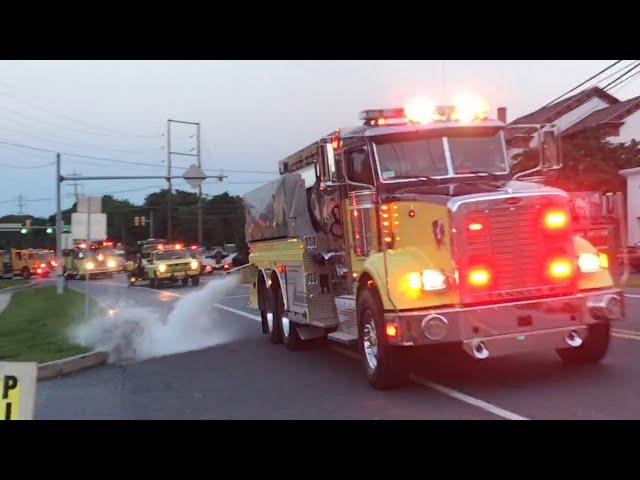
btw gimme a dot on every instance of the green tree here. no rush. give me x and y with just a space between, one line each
590 163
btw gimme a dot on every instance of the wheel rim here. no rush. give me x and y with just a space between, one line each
286 325
270 321
370 340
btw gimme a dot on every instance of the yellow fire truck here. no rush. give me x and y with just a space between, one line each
410 231
32 262
93 258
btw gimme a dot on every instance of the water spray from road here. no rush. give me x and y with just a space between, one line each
129 332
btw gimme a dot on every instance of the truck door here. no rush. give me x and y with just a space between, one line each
360 206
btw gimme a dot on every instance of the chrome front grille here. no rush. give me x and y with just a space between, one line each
514 246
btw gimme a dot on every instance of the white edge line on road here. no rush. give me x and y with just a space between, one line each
632 296
238 312
463 397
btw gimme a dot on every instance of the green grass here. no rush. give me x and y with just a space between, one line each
35 324
5 283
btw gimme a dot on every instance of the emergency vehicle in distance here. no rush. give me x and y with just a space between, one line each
410 231
166 263
30 262
95 259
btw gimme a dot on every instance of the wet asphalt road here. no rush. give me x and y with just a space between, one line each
245 377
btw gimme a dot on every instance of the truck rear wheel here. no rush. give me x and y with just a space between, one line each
195 281
274 313
153 282
290 337
26 273
593 348
383 363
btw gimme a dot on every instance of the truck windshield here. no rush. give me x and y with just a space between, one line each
478 153
402 157
172 254
414 156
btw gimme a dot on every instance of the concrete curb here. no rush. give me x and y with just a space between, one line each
16 289
71 364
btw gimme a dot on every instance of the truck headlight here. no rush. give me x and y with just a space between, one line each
433 280
194 264
588 262
162 268
111 264
90 265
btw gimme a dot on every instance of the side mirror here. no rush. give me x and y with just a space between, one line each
551 150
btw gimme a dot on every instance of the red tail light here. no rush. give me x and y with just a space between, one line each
475 226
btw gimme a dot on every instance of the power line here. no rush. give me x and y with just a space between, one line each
583 83
18 113
67 117
28 168
613 87
621 76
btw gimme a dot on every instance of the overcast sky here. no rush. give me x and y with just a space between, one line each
253 113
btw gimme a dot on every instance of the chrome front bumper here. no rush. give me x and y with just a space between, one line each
511 327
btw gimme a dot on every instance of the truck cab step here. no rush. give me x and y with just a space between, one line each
343 337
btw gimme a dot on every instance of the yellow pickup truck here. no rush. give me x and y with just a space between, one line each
168 264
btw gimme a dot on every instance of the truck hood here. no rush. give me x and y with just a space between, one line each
443 194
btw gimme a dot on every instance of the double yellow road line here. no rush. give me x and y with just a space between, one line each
630 334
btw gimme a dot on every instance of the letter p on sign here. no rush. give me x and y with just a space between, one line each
17 390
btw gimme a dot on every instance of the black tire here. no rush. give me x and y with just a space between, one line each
26 273
153 283
263 304
110 275
195 281
390 370
184 282
593 348
292 340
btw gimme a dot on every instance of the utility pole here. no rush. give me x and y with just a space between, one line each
199 192
20 204
59 278
151 224
199 163
169 180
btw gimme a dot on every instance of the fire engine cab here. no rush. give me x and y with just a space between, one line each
409 231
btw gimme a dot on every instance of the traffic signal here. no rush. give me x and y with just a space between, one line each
143 220
24 230
136 221
49 230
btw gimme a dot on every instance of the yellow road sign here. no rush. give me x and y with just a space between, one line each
17 390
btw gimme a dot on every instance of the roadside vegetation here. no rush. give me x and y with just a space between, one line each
5 283
34 326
